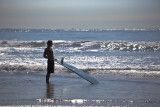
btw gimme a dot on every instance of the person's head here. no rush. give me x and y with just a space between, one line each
49 43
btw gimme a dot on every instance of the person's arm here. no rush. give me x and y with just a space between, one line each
45 54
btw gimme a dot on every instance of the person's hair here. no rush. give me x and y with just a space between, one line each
49 42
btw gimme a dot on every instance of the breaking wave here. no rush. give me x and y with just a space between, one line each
89 45
15 43
20 67
137 72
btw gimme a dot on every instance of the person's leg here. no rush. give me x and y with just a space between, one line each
50 69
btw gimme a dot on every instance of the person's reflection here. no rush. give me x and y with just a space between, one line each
49 90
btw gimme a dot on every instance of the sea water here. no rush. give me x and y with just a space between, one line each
126 52
125 62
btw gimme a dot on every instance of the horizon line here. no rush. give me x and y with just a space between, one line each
80 29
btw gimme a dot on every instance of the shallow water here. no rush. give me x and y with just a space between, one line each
70 89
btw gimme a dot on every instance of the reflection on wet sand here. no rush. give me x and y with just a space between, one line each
49 90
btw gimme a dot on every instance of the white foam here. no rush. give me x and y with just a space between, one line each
88 45
91 55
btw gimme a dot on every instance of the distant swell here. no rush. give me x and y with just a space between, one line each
15 43
89 45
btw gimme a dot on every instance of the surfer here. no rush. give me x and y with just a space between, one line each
48 54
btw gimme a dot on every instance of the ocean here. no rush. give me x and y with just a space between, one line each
131 57
98 52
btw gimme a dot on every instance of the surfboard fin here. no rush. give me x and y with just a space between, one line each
62 60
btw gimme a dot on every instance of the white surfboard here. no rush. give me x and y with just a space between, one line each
78 72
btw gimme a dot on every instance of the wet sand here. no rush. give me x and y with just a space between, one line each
22 89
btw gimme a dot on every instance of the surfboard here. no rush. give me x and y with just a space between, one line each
78 72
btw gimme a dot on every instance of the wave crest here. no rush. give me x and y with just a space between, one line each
88 45
113 45
15 43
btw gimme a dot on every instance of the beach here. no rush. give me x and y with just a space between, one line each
30 89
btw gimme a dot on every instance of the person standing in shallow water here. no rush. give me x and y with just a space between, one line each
48 54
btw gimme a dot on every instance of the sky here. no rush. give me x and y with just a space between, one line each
80 14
